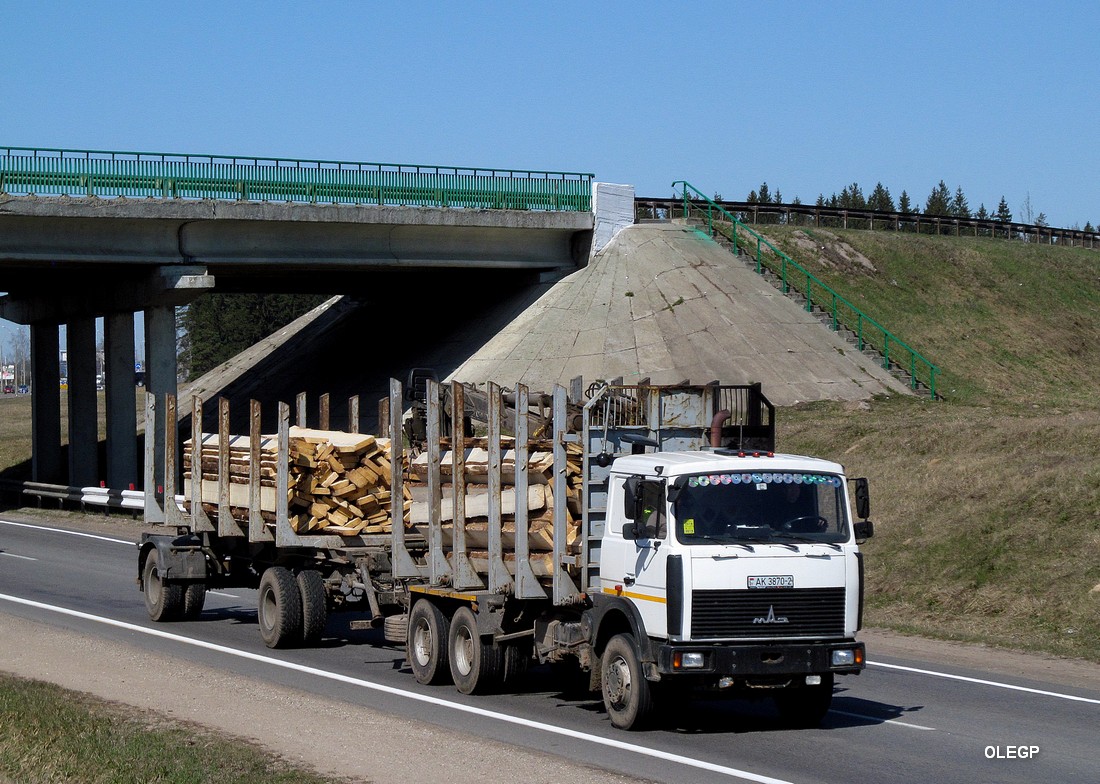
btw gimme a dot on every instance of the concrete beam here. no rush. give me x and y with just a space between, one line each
46 404
160 286
83 420
118 342
128 234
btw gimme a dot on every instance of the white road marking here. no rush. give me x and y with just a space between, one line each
997 684
13 555
504 717
882 720
71 533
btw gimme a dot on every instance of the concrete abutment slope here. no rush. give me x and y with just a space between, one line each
659 301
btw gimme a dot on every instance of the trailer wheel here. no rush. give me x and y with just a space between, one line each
314 607
194 599
476 666
163 599
804 707
427 643
626 693
279 608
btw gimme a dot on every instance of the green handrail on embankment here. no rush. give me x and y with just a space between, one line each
794 275
55 172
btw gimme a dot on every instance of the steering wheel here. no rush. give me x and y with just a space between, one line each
806 524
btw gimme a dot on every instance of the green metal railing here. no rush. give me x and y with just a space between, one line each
793 275
48 172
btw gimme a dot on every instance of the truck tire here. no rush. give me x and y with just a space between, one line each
194 599
477 667
516 662
314 606
395 628
279 608
804 707
163 599
627 695
427 643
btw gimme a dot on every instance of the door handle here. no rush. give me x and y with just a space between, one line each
628 580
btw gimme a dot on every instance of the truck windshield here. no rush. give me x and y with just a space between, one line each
759 508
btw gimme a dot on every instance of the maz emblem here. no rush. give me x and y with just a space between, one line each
771 617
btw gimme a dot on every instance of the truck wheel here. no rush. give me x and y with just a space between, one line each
516 662
194 599
477 667
427 643
279 608
314 607
804 707
163 599
626 693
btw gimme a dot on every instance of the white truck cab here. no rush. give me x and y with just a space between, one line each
730 571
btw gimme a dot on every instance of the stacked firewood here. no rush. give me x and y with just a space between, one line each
338 483
540 501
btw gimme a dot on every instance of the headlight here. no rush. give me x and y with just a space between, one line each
688 660
844 657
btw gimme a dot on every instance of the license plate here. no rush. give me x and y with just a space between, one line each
771 581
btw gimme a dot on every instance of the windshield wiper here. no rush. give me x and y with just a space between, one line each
803 540
726 540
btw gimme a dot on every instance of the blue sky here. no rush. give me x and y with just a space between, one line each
996 98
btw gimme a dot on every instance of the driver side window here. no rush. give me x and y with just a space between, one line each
653 509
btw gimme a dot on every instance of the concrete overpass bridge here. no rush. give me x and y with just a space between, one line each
88 234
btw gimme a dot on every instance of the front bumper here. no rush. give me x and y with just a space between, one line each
758 660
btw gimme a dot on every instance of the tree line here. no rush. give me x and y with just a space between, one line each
940 202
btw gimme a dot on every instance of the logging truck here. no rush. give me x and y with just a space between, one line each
648 537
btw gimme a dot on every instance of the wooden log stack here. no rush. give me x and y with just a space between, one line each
540 501
339 483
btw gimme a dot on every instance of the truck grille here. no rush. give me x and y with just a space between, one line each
808 612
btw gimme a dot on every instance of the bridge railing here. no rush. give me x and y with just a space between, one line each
817 294
50 172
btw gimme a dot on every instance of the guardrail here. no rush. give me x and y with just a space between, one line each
56 172
792 214
105 497
817 294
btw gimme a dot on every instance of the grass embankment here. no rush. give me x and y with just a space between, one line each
987 504
50 734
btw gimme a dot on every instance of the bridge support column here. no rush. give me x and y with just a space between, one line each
45 404
118 342
83 420
160 378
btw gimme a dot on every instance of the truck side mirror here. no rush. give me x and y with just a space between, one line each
864 530
863 498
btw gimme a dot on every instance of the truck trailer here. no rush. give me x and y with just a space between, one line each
647 536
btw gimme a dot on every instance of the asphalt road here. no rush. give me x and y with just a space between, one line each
902 720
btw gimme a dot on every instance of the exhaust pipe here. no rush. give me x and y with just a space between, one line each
716 427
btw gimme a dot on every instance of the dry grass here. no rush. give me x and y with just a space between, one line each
988 504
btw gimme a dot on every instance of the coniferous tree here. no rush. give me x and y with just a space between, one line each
1041 220
939 201
1003 213
852 197
880 199
220 326
982 213
959 206
904 205
1088 226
